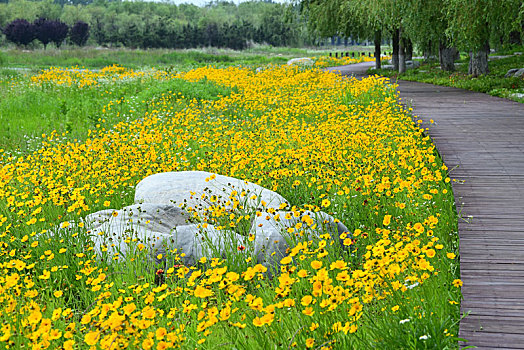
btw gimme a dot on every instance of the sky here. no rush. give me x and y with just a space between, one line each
204 2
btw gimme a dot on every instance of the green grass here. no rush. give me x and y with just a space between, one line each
24 117
493 83
102 57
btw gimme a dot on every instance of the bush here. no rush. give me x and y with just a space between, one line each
43 30
20 32
79 33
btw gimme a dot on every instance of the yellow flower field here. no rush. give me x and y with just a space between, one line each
344 146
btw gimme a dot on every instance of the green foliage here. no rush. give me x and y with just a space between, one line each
493 83
472 23
165 25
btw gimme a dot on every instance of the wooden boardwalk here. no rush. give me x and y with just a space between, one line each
481 139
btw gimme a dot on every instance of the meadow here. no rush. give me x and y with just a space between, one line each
343 146
97 58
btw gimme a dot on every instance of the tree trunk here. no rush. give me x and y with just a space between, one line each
447 57
428 51
394 57
409 50
401 54
378 39
478 61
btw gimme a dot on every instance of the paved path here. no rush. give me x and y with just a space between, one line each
481 138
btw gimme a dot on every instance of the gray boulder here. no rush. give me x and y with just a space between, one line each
412 64
511 72
303 61
515 72
272 238
199 190
160 228
519 73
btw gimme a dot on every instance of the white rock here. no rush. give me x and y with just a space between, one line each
187 188
272 239
519 73
511 72
161 228
304 61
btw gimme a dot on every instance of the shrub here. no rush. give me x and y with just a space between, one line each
60 30
43 30
20 32
79 33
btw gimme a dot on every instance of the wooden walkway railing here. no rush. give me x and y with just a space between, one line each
482 139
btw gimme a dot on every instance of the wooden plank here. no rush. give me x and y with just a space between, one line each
493 340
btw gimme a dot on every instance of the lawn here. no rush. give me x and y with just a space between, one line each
343 146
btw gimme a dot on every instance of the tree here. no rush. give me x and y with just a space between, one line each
79 33
20 32
473 23
59 32
44 30
427 23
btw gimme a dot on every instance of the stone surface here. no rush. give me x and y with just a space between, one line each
409 65
511 72
305 61
272 238
519 73
160 228
186 188
412 64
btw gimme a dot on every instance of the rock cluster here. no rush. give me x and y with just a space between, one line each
515 72
303 61
162 220
409 65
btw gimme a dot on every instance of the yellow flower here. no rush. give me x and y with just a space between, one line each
91 338
308 311
316 264
387 220
129 308
58 293
326 203
147 344
310 342
202 292
257 322
45 275
457 283
69 344
85 319
160 333
451 255
286 260
107 204
306 300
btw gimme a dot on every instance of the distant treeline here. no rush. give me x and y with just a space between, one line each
154 25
